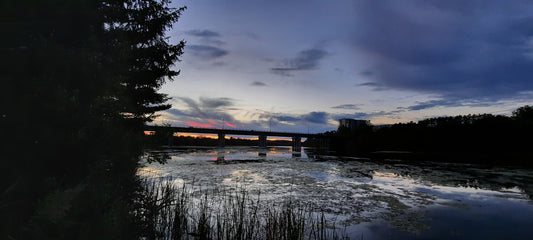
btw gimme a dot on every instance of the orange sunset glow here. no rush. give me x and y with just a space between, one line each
214 136
198 135
230 125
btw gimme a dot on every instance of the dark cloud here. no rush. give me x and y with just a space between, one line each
316 117
359 115
432 104
346 106
370 84
215 102
207 52
207 109
374 85
259 84
456 49
176 112
207 37
369 115
367 73
203 33
305 60
312 117
194 108
286 118
448 103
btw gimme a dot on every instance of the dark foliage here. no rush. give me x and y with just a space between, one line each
481 138
79 80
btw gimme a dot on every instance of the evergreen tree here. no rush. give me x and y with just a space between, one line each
79 80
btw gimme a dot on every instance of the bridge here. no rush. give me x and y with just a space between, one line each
262 135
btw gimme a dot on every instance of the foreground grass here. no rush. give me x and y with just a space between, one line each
165 211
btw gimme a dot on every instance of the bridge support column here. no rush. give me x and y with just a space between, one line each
296 146
262 141
221 140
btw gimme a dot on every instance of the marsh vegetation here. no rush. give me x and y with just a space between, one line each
168 211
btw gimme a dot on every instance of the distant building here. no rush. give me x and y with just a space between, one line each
352 124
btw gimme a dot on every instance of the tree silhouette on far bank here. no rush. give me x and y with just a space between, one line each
483 138
79 80
524 114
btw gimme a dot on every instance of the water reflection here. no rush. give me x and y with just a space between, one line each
220 155
380 199
248 154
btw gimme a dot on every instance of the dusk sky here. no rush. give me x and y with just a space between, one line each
301 65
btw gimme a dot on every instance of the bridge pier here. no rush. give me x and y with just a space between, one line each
221 140
296 146
262 141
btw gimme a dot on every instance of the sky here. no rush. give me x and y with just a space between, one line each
301 65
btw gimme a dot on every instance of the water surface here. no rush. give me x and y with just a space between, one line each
390 199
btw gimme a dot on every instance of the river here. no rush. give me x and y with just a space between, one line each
386 199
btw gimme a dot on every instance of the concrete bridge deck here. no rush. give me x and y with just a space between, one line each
262 135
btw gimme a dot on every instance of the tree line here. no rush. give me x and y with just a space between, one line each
79 81
474 137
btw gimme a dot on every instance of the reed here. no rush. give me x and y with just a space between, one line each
167 212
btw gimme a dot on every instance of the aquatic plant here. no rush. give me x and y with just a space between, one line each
165 211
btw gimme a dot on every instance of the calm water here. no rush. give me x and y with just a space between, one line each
374 200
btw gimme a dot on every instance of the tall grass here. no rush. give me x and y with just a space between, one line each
167 212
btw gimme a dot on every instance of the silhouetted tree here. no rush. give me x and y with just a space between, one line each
475 137
524 113
79 80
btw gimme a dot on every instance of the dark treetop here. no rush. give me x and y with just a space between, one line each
79 80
